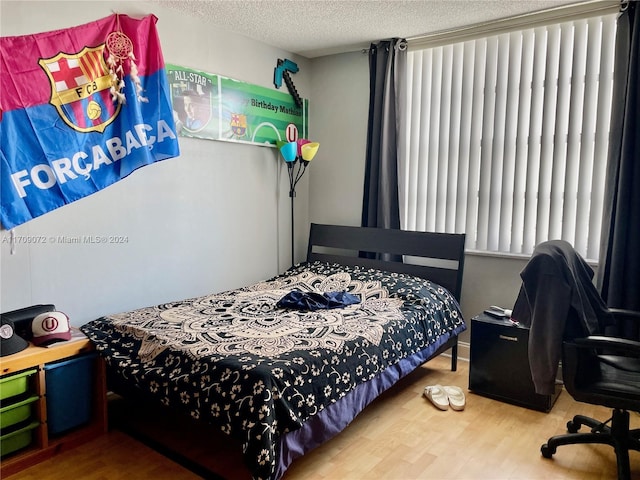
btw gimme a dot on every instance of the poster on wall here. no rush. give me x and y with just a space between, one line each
213 107
81 109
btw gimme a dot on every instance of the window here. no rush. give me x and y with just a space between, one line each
505 137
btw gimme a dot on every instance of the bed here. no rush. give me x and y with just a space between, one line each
284 380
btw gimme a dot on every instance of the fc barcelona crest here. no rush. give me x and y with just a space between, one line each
238 124
80 86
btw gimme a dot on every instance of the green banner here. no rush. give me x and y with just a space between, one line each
214 107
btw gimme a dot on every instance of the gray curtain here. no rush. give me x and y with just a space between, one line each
380 206
619 270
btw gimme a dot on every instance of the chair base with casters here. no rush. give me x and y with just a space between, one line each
603 371
617 435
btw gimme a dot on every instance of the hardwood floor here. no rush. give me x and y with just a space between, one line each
399 436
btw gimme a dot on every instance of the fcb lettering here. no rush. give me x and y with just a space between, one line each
64 134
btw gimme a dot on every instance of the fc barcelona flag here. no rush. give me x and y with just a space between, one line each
80 109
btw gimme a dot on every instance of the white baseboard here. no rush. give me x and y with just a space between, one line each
464 351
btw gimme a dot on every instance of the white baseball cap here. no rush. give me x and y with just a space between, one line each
50 327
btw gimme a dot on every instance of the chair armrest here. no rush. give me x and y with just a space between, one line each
625 314
610 343
626 324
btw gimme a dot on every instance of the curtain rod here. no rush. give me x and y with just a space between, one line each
559 14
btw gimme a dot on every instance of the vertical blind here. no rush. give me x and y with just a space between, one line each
505 137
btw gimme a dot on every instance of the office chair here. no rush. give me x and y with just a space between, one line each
599 347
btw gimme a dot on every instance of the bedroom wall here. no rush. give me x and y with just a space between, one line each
215 218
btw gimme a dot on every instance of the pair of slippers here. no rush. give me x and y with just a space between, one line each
444 397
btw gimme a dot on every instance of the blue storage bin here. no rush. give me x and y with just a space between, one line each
69 393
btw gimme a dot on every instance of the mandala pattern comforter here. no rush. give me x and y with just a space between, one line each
258 371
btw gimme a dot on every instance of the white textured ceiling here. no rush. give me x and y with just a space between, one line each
314 28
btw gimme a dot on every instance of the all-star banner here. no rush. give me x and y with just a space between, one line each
214 107
63 135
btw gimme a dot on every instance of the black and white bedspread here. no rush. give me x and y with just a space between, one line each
258 371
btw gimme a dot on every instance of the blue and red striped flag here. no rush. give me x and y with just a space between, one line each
63 136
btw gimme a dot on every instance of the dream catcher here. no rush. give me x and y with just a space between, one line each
120 49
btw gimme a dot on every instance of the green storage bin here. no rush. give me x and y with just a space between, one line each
14 385
17 412
14 441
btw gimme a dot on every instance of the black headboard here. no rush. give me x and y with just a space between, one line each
438 257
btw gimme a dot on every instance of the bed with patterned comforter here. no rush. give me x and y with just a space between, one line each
265 374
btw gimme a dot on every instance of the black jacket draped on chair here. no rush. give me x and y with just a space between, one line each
557 298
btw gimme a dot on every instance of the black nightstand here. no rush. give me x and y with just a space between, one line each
499 365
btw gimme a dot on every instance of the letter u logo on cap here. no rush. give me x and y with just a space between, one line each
50 324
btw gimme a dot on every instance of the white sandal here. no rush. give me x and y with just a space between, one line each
437 396
456 397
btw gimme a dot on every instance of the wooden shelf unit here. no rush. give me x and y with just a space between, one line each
44 447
